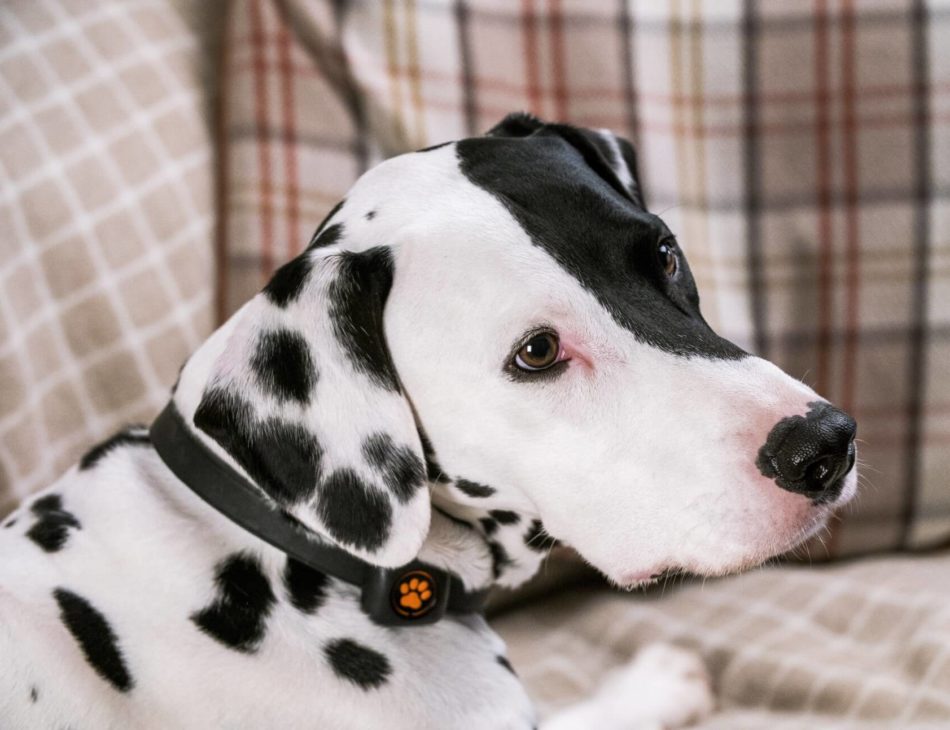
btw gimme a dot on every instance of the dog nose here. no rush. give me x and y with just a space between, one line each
811 454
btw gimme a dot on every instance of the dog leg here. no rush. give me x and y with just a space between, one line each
663 688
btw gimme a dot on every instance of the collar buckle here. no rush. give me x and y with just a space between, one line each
414 594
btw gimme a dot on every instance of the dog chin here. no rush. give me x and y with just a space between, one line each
752 558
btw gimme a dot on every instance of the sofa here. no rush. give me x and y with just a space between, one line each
162 157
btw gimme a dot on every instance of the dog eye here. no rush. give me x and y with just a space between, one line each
540 352
668 260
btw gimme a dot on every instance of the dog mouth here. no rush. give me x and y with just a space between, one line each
674 571
643 579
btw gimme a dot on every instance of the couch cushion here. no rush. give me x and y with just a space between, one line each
861 645
105 218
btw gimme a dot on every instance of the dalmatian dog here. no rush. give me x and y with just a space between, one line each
487 346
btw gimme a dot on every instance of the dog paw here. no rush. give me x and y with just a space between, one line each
663 688
664 685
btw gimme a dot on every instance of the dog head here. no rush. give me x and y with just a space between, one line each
511 298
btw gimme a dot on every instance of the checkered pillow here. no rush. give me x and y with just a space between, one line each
105 218
800 153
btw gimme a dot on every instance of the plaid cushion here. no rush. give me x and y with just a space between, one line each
105 224
800 152
857 646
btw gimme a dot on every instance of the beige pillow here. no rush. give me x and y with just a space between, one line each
105 225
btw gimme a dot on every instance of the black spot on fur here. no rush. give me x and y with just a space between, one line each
499 558
537 539
306 586
488 525
505 517
34 694
51 529
10 523
354 662
124 438
95 637
238 615
353 512
283 365
357 298
284 459
370 214
474 489
329 236
506 664
288 281
402 471
434 472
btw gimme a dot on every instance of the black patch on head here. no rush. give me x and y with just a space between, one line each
434 472
51 529
356 663
370 214
499 558
238 615
402 471
537 539
95 637
34 694
329 236
306 586
283 365
124 438
283 458
474 489
353 512
357 298
505 517
288 281
506 664
488 525
556 185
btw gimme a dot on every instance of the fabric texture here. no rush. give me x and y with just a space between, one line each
105 225
864 645
798 150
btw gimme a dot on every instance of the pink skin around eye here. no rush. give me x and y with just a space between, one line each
571 350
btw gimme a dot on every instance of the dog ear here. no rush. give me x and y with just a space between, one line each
611 156
305 398
516 124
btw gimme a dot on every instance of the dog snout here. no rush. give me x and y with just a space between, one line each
811 454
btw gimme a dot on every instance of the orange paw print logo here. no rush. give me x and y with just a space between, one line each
415 594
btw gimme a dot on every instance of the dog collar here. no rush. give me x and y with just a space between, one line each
413 595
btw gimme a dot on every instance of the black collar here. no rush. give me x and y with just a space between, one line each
383 596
